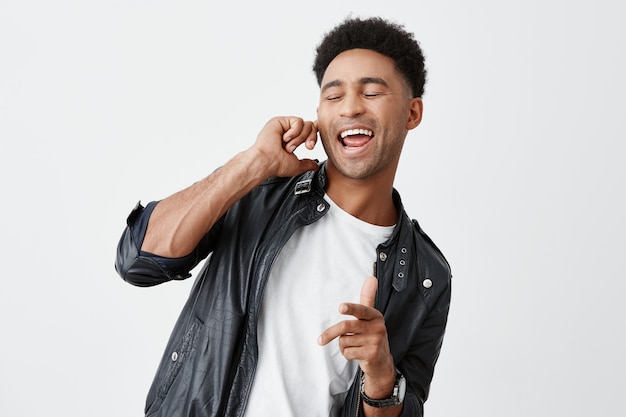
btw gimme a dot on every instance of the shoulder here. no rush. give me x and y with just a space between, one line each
427 247
301 184
434 271
277 194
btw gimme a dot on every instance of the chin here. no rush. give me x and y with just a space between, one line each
354 171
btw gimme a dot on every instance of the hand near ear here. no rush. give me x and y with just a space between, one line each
277 142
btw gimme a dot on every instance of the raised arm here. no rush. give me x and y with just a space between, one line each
179 222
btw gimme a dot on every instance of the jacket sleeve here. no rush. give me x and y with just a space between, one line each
145 269
418 364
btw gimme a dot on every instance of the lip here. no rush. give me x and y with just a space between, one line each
354 149
353 127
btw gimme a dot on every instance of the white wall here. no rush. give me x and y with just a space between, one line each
517 172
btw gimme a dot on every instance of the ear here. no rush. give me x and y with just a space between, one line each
416 107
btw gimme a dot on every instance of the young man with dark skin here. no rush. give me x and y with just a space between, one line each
260 216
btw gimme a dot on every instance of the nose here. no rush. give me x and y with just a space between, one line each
351 106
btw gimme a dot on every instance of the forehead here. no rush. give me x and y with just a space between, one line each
355 64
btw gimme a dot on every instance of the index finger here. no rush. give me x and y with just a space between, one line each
346 327
329 335
293 128
299 133
359 311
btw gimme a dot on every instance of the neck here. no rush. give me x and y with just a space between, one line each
369 200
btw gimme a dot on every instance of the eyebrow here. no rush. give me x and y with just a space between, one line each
362 81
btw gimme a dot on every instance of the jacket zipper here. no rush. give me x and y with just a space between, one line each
358 397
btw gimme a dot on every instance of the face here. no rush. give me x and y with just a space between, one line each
364 114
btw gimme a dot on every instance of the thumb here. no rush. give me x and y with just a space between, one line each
368 291
309 165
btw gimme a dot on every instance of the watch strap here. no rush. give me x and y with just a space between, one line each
394 399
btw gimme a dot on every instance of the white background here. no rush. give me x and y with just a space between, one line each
517 172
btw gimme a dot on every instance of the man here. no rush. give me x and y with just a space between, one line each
321 297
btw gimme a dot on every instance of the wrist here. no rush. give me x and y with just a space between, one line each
257 164
383 395
379 385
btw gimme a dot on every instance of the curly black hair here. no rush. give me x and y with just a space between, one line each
376 34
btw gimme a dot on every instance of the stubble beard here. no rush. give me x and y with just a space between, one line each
363 168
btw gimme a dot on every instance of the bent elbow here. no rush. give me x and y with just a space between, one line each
135 269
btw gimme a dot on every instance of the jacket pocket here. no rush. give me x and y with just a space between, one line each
178 357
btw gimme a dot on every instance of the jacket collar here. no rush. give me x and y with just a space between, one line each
316 180
400 241
319 179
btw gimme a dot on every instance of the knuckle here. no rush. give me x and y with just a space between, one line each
344 327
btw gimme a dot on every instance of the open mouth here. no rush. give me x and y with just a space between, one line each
355 138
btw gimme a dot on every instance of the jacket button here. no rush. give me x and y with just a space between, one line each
427 283
174 356
382 256
321 207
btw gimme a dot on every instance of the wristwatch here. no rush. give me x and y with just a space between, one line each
396 398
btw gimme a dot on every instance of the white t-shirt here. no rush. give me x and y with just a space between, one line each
321 266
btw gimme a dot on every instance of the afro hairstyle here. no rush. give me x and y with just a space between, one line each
379 35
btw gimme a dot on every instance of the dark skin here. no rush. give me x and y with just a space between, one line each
361 90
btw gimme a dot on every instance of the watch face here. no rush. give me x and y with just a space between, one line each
401 388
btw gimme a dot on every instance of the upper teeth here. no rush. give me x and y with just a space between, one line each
356 132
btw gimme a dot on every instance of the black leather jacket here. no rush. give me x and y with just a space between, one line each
210 359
